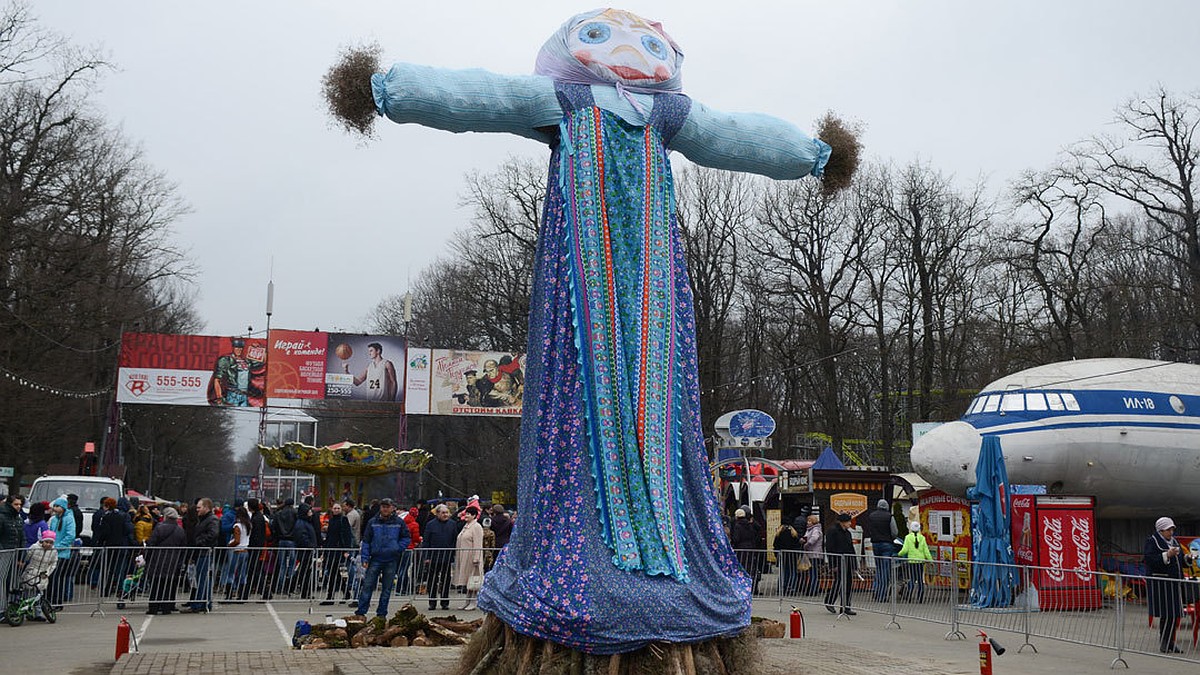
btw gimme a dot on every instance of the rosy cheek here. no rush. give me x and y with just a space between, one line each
583 56
662 73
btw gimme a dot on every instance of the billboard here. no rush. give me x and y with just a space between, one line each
476 383
296 364
417 380
364 367
192 370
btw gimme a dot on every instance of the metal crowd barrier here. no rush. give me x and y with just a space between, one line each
98 580
1100 609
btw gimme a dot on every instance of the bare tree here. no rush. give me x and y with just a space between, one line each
1152 167
716 209
811 248
85 246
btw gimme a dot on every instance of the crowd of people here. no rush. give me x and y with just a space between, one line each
254 549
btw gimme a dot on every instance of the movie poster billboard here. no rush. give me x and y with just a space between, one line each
192 370
417 380
476 383
296 364
364 367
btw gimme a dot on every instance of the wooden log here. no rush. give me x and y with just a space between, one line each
689 660
718 662
526 656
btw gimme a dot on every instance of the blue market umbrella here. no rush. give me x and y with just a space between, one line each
994 579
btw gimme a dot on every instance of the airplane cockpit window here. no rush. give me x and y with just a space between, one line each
1055 401
977 405
1035 401
1069 400
992 404
1012 402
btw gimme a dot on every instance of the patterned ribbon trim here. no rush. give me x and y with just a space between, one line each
624 304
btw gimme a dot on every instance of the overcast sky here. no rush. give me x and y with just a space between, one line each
224 97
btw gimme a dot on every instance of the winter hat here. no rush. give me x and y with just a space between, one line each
740 513
843 517
914 526
170 514
1163 523
47 534
881 504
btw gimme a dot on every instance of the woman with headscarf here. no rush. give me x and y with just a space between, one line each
164 557
1165 558
62 523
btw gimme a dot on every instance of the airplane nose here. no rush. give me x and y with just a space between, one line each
945 456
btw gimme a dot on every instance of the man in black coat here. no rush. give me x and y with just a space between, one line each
839 542
744 537
502 525
882 531
440 539
205 536
306 542
339 542
283 532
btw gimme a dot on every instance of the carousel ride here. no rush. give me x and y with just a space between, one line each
342 468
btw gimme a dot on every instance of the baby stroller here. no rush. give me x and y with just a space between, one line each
31 602
132 583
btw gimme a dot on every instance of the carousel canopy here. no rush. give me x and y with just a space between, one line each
344 459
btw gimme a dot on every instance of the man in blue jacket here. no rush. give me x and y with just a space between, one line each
384 538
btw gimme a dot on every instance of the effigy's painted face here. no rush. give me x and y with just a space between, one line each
622 47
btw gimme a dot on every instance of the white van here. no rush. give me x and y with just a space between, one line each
90 489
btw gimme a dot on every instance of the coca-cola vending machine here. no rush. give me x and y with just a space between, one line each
1057 534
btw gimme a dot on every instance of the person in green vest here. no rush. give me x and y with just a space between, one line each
916 551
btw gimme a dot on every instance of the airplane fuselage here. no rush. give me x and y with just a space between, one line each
1126 431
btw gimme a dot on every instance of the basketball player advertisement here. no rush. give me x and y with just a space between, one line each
477 383
364 367
192 370
296 364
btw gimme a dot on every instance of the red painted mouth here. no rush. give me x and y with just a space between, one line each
627 73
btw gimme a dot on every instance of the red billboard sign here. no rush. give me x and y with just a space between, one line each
296 364
191 370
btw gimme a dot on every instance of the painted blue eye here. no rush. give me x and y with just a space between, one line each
594 33
656 47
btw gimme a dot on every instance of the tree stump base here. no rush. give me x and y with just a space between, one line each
496 649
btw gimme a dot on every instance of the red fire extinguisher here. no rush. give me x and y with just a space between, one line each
124 630
986 645
797 623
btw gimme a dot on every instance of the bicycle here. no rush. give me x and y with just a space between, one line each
34 605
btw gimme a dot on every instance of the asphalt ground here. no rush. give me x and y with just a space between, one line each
256 638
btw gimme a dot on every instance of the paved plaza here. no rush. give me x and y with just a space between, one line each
255 638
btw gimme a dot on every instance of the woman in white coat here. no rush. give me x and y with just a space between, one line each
468 557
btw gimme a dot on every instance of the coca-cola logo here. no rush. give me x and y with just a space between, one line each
1081 536
1053 536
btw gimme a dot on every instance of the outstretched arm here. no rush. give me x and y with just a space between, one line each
466 100
749 142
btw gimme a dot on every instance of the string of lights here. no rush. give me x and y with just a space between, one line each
47 389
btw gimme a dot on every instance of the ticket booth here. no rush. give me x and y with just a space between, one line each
946 522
